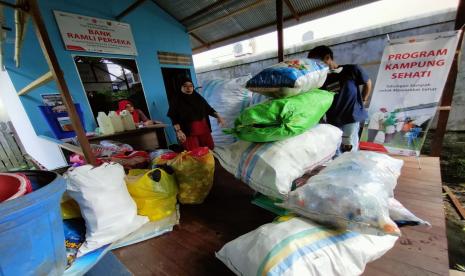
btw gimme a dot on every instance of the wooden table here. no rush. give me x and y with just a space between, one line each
148 138
227 214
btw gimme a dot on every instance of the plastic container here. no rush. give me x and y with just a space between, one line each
31 229
60 122
105 124
116 121
11 186
128 121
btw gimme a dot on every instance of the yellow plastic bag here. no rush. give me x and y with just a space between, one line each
154 192
69 208
194 172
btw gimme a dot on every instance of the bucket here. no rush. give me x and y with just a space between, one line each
11 186
31 229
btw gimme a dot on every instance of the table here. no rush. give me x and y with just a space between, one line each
147 138
227 214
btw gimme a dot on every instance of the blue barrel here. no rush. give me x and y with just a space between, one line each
31 229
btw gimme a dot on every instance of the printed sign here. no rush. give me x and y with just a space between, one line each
89 34
410 81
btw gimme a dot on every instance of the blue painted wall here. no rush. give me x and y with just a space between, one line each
153 31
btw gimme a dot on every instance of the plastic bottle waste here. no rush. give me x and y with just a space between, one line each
105 124
116 121
127 120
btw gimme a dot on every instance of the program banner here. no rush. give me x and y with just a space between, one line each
410 81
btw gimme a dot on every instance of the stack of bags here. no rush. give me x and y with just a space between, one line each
279 139
347 215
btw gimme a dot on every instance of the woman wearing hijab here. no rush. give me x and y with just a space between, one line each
137 114
189 113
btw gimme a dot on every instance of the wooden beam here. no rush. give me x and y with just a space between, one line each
45 78
129 9
72 148
279 28
54 66
292 9
203 11
446 100
204 43
221 18
455 202
460 17
444 108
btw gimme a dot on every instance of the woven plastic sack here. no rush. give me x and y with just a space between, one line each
270 168
106 206
289 78
300 247
229 98
280 119
154 193
194 172
347 194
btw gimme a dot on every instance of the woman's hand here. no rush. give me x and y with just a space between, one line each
181 136
148 123
221 121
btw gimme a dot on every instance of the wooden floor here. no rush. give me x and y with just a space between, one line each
227 214
420 251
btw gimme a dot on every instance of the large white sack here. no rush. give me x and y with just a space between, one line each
299 247
229 98
106 206
270 168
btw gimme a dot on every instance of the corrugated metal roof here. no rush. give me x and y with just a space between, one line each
214 23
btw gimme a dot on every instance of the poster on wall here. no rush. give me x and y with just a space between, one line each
90 34
411 78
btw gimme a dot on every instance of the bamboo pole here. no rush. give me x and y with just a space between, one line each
45 78
54 66
21 19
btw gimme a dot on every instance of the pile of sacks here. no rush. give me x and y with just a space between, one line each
115 202
347 215
274 136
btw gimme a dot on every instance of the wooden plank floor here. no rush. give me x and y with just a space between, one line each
420 251
227 214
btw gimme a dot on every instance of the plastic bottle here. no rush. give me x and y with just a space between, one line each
127 120
116 121
105 124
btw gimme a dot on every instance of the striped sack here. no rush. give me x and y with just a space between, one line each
270 168
300 247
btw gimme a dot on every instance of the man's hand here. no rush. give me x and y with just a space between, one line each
366 91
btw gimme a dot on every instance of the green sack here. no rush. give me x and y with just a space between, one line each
279 119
